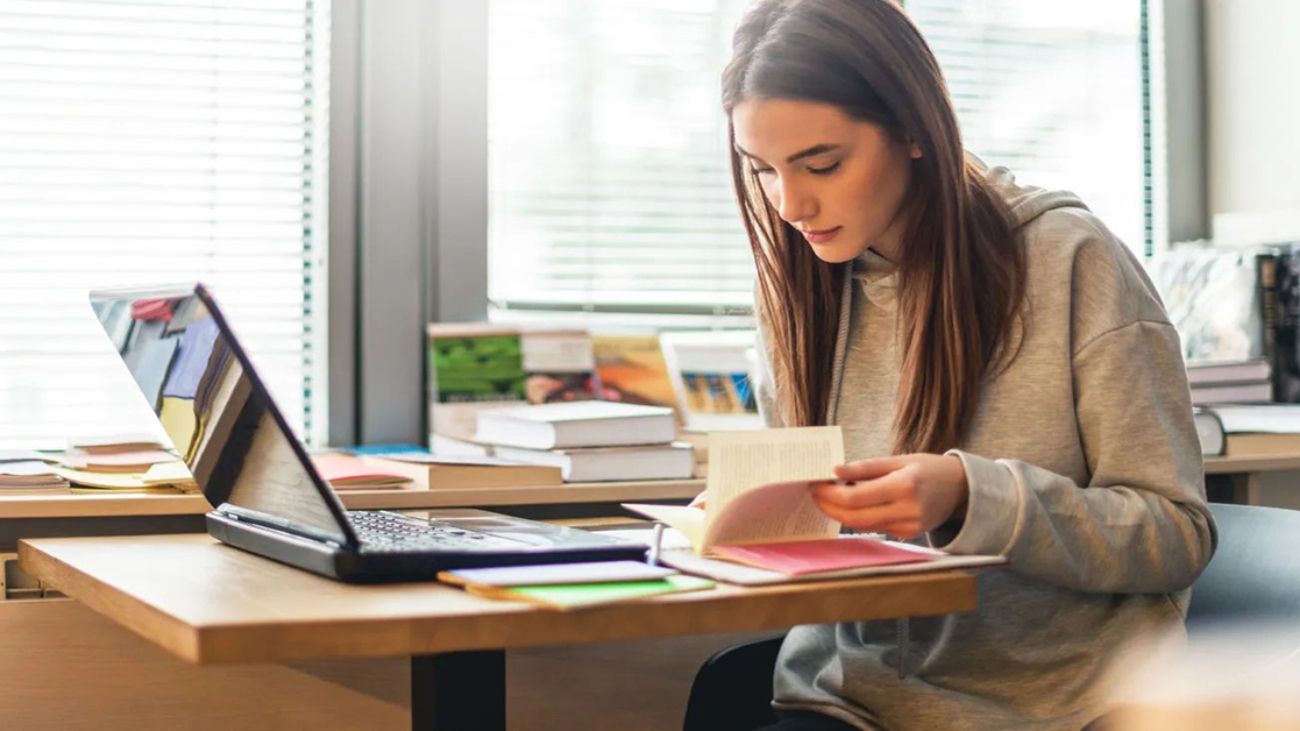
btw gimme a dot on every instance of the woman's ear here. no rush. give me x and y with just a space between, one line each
913 150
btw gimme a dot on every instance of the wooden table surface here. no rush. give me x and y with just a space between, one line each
93 505
208 603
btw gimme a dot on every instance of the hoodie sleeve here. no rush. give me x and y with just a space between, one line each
1140 524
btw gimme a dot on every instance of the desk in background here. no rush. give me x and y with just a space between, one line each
1239 479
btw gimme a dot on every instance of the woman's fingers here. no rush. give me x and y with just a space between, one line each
873 518
887 489
868 469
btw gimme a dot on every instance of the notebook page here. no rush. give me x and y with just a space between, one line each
742 460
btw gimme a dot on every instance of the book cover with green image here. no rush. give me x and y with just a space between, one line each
477 368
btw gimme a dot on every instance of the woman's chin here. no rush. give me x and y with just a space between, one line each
836 252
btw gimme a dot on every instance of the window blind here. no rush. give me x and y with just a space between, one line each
1052 90
608 179
151 141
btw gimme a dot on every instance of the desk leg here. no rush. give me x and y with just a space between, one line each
1246 488
459 690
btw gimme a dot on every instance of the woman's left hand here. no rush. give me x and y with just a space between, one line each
902 496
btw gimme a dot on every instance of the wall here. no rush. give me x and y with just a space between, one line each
1252 68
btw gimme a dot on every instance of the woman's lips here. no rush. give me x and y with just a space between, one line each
821 237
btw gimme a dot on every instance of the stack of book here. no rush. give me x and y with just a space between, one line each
704 377
590 441
1230 382
27 473
123 464
574 585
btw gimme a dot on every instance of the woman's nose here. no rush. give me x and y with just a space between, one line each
795 204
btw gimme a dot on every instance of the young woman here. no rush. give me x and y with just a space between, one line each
1004 372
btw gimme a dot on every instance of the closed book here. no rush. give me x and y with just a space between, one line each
445 446
348 472
428 472
1286 360
114 444
576 424
576 596
1209 430
600 464
632 369
559 573
1263 444
1238 393
1220 373
133 461
1245 418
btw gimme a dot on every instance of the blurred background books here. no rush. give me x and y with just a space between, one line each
704 378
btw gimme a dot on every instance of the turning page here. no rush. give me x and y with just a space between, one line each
759 488
742 460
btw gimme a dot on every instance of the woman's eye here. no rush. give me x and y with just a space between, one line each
827 170
762 171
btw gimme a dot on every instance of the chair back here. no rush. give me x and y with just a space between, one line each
1255 572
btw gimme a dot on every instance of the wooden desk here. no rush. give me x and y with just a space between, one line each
210 604
1243 474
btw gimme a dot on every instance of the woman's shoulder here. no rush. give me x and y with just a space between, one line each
1076 261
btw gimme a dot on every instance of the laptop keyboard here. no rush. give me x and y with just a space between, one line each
388 532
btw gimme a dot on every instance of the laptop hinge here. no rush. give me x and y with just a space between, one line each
281 525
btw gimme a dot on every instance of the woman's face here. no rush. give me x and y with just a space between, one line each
840 181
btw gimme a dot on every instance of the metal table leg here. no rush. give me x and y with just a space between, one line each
459 690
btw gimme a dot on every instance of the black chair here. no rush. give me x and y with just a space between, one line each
1254 575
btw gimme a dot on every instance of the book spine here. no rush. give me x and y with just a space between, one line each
1266 281
1286 369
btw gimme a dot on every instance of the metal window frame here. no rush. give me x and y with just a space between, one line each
408 202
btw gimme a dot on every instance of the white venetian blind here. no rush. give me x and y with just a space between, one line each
608 186
1052 90
608 180
157 141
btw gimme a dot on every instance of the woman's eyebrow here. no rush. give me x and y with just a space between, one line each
810 152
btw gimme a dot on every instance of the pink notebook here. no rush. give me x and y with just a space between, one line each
829 554
345 471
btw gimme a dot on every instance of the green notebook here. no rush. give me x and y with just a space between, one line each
573 596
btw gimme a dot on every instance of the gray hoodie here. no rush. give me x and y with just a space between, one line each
1084 471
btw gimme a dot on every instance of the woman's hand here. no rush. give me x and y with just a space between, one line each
902 496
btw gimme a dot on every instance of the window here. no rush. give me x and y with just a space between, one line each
157 142
608 181
1053 91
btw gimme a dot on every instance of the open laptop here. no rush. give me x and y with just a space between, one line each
269 498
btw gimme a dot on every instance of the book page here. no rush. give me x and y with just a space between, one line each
740 461
777 511
689 521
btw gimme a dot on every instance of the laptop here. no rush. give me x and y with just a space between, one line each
269 498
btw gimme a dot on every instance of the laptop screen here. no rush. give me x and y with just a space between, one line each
214 407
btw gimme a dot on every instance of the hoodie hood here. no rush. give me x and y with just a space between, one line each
1026 202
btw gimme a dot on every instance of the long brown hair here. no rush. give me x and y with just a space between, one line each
961 269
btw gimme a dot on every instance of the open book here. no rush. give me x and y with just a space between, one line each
759 508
